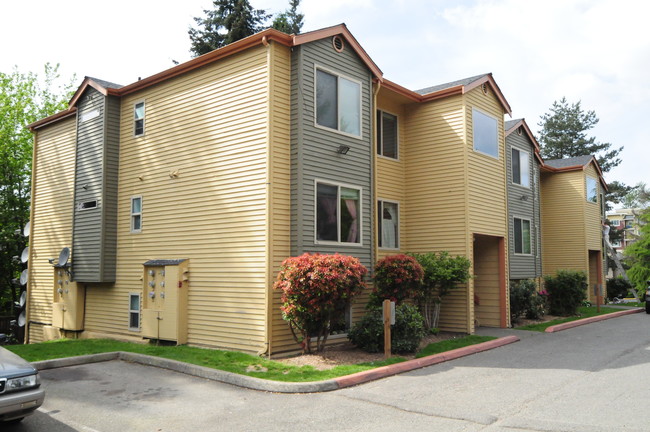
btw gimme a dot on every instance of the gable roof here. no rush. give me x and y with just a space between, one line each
512 125
452 88
574 164
261 38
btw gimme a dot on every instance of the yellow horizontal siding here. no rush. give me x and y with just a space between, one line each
593 221
51 215
210 129
563 227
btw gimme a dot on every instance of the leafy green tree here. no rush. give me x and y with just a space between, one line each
638 254
24 98
289 21
637 197
229 21
564 134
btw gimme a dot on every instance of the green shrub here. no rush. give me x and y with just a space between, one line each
397 277
566 291
525 301
406 334
618 287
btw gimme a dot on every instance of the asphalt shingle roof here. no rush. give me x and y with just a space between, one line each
106 84
462 82
569 162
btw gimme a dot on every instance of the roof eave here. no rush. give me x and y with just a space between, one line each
53 118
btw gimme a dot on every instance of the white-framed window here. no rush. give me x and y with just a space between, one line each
615 222
592 189
388 224
486 137
520 167
338 213
338 103
387 134
134 311
522 236
136 214
616 243
138 118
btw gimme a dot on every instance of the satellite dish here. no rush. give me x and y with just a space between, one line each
23 277
26 230
64 256
24 257
23 299
22 319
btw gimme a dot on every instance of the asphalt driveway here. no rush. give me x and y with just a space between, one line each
591 378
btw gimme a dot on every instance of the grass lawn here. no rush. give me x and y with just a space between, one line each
230 361
583 312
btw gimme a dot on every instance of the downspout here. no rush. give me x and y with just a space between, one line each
373 134
30 260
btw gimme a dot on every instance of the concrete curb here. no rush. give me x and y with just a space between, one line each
276 386
576 323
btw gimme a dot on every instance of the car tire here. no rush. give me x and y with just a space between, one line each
15 421
647 307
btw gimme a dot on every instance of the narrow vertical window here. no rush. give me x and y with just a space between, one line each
592 189
520 168
386 134
388 225
134 311
136 214
138 117
522 236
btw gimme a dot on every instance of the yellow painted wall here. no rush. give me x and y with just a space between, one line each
563 227
436 196
211 127
279 58
486 281
51 220
593 220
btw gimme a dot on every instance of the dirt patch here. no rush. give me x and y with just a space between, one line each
346 353
524 322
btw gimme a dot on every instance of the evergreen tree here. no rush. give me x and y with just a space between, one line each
638 254
289 21
229 21
564 134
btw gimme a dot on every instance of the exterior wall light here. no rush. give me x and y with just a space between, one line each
343 149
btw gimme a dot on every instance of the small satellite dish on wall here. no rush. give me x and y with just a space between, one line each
64 256
22 319
23 299
26 230
23 277
24 257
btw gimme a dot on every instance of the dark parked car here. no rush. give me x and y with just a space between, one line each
20 387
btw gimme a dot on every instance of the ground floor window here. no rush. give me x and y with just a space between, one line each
388 222
134 311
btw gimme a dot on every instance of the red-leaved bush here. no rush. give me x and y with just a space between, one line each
315 292
397 278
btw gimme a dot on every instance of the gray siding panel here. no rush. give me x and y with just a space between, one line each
94 229
314 155
523 203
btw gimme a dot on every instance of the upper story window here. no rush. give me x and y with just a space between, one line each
386 134
136 214
592 189
138 119
338 213
388 224
520 168
522 236
486 138
338 103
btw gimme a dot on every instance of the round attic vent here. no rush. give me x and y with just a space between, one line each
337 42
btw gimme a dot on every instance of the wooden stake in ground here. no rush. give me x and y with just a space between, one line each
387 347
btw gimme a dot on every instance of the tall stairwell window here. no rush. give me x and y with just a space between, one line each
592 189
522 236
520 168
136 214
486 138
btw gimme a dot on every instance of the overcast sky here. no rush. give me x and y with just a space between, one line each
594 51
